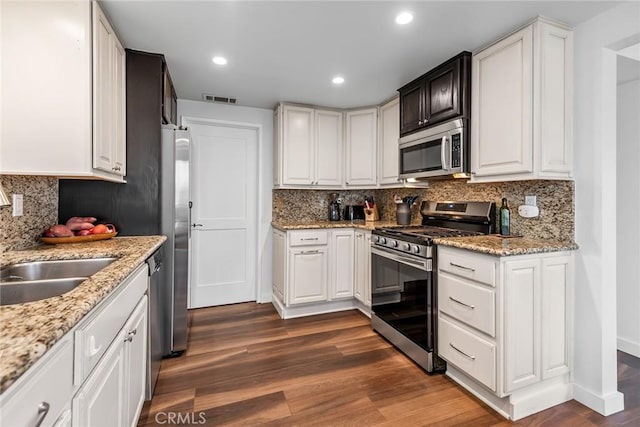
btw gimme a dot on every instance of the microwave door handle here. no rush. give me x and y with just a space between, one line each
443 153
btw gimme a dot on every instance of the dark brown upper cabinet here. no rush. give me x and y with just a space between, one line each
441 94
169 99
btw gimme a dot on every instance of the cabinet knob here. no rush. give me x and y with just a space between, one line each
43 410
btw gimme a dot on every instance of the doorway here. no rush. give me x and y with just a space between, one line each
224 215
628 197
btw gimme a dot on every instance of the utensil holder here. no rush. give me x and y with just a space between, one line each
403 214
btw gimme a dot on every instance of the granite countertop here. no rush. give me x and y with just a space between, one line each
30 329
365 225
494 244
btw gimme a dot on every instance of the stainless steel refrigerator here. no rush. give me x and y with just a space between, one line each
174 220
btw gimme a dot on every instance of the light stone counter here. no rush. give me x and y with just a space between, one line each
30 329
495 244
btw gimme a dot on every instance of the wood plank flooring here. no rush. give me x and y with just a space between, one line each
246 366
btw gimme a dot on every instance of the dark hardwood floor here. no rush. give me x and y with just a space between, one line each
246 366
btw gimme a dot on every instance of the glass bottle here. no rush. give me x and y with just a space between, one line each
505 218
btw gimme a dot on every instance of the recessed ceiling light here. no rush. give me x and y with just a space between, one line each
404 18
220 60
338 80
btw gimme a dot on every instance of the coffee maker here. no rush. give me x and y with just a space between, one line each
334 207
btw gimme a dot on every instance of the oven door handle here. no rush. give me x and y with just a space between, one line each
420 263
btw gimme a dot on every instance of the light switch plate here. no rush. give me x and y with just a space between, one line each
17 204
530 200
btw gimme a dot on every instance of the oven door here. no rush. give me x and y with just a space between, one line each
402 294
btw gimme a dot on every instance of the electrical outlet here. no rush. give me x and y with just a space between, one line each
530 200
17 204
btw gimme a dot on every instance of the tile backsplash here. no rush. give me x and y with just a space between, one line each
40 210
555 199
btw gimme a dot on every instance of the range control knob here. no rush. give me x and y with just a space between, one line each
382 240
376 239
394 244
406 246
416 249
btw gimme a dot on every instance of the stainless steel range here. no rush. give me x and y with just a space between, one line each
403 281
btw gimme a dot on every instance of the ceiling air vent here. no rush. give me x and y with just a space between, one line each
222 99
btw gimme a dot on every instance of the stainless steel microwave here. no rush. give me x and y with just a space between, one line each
439 151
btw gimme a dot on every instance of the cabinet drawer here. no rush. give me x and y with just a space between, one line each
96 334
467 352
480 268
469 303
307 238
50 382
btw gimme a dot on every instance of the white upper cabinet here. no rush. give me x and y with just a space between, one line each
389 132
308 147
329 147
297 145
109 85
522 91
361 147
60 115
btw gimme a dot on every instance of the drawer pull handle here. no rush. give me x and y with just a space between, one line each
462 352
461 303
93 350
309 252
43 410
133 332
462 267
310 238
129 338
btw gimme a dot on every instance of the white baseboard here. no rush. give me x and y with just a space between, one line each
629 347
605 405
312 309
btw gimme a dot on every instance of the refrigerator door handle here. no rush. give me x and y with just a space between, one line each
189 228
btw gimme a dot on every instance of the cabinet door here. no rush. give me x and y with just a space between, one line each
119 148
442 97
297 146
361 147
279 264
100 400
136 362
389 124
367 269
103 92
329 148
502 105
342 264
363 267
307 275
521 323
411 107
557 314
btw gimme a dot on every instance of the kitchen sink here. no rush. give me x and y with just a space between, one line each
35 290
58 269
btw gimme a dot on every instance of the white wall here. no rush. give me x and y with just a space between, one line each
263 118
628 244
595 380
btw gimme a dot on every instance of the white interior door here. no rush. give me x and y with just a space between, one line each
225 204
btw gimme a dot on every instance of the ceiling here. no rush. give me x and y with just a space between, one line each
290 50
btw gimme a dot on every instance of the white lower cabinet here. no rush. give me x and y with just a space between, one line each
316 271
342 264
114 393
95 375
308 274
363 267
505 327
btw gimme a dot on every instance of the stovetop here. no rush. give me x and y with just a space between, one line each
425 232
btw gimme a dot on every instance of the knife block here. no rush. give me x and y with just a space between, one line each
371 214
